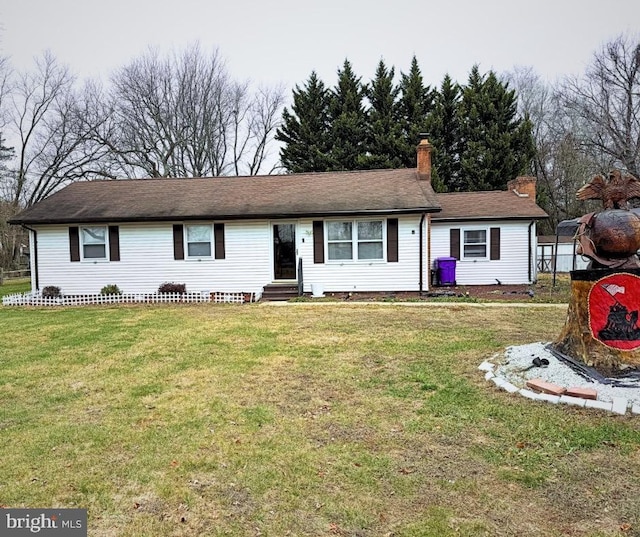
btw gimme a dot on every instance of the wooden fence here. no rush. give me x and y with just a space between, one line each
12 274
31 299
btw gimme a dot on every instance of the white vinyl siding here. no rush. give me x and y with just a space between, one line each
511 268
147 260
369 275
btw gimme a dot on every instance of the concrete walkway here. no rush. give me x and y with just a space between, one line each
416 304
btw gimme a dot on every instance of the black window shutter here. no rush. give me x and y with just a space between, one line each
454 243
495 244
218 233
114 243
318 241
178 241
74 243
392 240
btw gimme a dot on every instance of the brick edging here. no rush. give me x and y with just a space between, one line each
551 393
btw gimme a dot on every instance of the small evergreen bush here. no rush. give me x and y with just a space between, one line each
51 291
171 287
111 289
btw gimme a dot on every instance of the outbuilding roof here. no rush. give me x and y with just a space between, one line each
398 191
487 205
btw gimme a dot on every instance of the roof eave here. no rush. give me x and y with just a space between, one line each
487 218
256 216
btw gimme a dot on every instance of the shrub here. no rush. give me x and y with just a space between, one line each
111 289
170 287
51 291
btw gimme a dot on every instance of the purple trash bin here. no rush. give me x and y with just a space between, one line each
446 270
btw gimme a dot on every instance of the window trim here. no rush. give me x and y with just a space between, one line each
463 243
188 257
355 241
107 250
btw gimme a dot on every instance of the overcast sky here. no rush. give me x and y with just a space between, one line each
282 41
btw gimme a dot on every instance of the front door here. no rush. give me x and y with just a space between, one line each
284 251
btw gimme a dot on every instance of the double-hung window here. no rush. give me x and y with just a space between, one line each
198 241
355 240
94 242
474 244
340 240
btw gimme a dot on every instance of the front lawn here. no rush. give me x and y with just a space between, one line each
320 420
19 285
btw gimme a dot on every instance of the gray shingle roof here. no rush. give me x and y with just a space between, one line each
272 196
224 198
487 205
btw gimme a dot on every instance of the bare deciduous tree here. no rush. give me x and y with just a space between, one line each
178 116
50 127
607 101
183 116
9 236
561 163
255 125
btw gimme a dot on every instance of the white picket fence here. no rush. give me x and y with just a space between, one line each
33 299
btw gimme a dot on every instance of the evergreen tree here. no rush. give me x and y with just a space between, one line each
348 122
414 105
305 130
496 145
383 129
443 127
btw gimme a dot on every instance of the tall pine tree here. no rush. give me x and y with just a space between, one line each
443 127
384 135
414 105
496 145
305 132
348 122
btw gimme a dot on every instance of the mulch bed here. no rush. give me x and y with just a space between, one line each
488 292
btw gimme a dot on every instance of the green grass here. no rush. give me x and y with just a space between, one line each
339 419
19 285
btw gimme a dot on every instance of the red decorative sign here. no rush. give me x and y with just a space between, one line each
613 311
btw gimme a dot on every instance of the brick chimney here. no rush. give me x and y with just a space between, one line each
424 159
523 186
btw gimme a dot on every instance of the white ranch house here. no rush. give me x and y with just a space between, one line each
362 231
492 234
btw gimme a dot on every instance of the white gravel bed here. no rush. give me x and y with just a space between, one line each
512 367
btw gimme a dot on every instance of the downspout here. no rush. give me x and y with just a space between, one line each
34 261
531 252
421 254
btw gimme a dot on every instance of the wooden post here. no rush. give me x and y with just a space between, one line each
602 327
